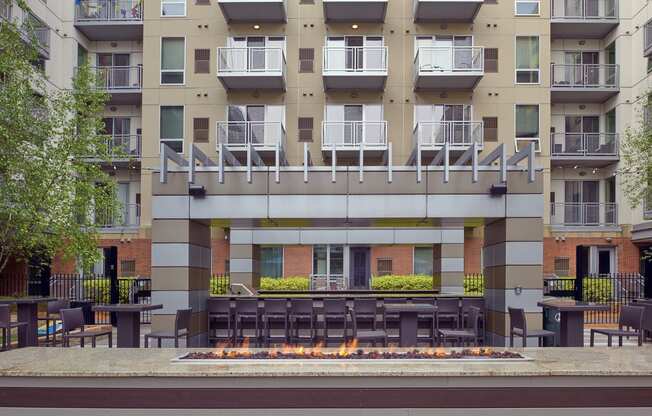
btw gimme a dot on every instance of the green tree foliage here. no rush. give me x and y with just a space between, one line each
49 194
636 160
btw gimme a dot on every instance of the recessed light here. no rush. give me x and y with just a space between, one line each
354 26
256 27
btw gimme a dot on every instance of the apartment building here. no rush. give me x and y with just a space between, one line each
368 83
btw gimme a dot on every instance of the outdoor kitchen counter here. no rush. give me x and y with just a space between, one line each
103 362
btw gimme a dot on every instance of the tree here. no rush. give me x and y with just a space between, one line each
636 160
49 194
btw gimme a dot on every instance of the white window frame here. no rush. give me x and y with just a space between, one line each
183 127
536 140
537 2
160 78
537 70
414 258
185 7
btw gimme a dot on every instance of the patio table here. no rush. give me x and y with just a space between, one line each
408 320
571 315
128 321
27 308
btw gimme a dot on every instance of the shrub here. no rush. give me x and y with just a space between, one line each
291 283
402 282
99 291
597 290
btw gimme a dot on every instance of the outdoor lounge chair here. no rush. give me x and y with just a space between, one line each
181 329
75 327
630 317
6 325
518 327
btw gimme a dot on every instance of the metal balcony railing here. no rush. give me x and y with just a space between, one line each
647 47
647 206
128 215
43 37
257 60
109 10
455 133
449 59
585 145
5 9
585 76
583 214
119 77
327 282
258 133
355 59
354 134
124 145
584 9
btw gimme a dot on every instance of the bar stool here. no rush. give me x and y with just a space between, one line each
372 336
464 336
449 311
7 325
275 311
518 327
302 311
181 329
335 312
219 312
246 311
366 310
429 319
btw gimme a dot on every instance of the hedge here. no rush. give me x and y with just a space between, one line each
287 283
402 282
99 291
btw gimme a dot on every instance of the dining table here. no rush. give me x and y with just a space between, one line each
127 321
27 311
571 319
408 320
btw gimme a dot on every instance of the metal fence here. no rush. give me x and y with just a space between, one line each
613 290
220 284
474 284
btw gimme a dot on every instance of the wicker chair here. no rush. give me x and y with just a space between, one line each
74 326
518 327
53 316
630 317
181 329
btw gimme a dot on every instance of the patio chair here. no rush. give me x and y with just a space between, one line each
464 312
74 326
302 312
630 317
335 314
246 311
431 320
518 327
464 336
7 325
53 316
372 336
182 323
219 312
448 311
366 311
275 311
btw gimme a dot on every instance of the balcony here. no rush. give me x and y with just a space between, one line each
586 149
5 10
347 138
121 148
363 67
124 83
448 68
587 214
265 137
355 10
446 10
584 83
583 19
251 68
647 47
253 11
460 135
114 20
127 216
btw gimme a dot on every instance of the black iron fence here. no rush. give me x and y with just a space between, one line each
474 284
88 287
220 284
613 290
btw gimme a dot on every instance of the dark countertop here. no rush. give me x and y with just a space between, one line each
25 300
563 305
126 308
409 307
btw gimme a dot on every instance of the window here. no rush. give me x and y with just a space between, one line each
172 127
490 125
527 7
562 266
423 260
527 125
527 59
491 60
306 60
384 266
172 8
305 129
200 129
271 262
173 60
328 260
202 61
127 268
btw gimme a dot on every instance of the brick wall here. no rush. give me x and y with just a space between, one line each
220 248
627 253
473 255
138 249
401 255
297 260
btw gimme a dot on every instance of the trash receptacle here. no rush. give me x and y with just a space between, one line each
551 323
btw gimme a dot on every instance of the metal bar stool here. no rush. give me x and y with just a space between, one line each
246 311
275 311
302 311
219 312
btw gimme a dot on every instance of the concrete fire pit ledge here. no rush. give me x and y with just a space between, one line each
570 378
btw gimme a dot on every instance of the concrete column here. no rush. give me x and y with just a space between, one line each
181 267
448 262
244 265
513 272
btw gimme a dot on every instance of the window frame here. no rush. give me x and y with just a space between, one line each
414 258
537 140
183 127
274 247
517 2
161 70
530 70
185 8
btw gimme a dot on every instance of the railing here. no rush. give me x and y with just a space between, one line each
647 46
258 133
583 214
250 60
355 59
327 282
455 133
585 76
474 284
43 37
5 9
124 145
126 216
584 144
109 10
354 133
584 9
449 59
220 284
647 206
614 290
119 77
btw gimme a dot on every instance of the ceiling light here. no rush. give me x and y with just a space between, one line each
354 26
256 27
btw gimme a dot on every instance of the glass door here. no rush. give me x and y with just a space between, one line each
256 48
463 52
591 202
374 54
591 133
573 65
123 198
354 53
590 63
336 57
237 126
573 203
256 119
573 135
353 126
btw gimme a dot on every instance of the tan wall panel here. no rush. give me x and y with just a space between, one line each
180 278
198 324
498 323
509 277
